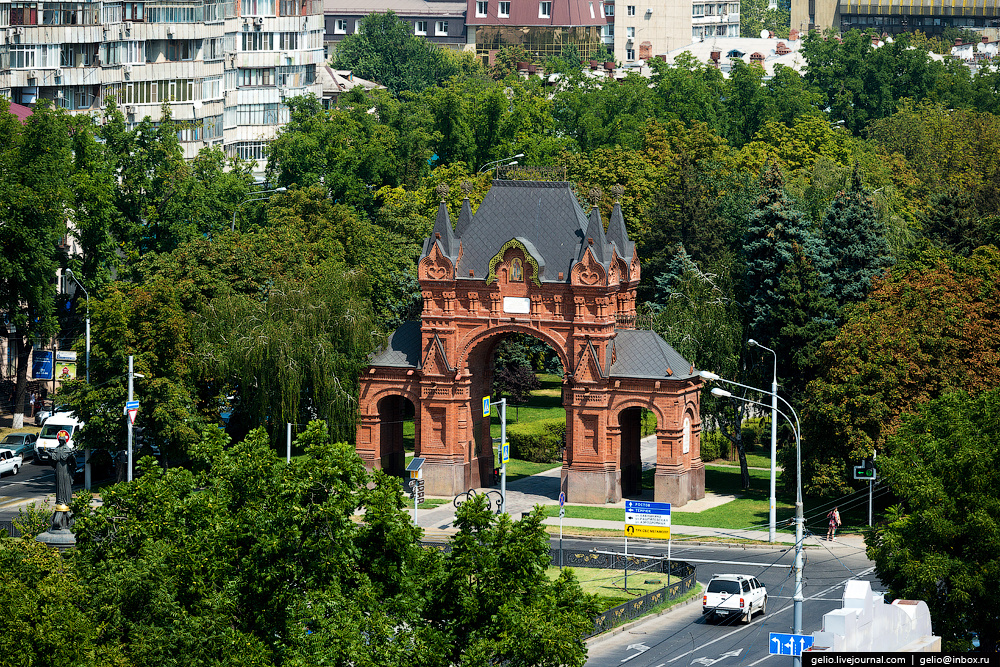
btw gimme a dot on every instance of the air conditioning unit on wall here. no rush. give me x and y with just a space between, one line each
259 20
130 110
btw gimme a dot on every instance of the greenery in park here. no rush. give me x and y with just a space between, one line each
940 542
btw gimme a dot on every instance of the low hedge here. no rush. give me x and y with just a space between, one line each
714 445
539 441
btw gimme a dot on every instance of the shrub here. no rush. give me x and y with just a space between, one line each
714 445
538 441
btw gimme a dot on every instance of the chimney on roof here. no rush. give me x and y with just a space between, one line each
770 34
793 34
714 56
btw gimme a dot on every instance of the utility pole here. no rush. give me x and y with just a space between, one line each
130 374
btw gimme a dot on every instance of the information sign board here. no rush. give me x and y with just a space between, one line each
783 644
652 532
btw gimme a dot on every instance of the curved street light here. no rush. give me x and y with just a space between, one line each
254 197
503 159
796 427
772 512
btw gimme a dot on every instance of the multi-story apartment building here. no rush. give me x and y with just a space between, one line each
442 22
643 31
542 27
715 19
223 67
928 16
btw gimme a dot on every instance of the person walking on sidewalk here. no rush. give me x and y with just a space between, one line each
833 523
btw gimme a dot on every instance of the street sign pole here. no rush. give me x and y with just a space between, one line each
129 421
562 513
626 561
503 462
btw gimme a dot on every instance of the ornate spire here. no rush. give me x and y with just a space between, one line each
617 233
442 234
595 239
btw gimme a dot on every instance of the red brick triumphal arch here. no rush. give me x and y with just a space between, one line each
532 261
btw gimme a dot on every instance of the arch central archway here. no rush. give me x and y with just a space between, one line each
567 283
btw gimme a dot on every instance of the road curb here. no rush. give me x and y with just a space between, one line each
631 624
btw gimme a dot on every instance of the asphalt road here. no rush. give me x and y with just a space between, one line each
32 482
682 637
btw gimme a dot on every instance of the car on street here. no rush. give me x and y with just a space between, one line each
733 596
45 413
20 443
9 462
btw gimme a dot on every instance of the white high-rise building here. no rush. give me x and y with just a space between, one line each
223 67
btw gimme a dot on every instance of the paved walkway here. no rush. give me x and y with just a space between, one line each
543 489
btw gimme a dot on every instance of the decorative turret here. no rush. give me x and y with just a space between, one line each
616 227
465 215
594 238
443 234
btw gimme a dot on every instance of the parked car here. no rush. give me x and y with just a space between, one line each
733 595
9 462
20 443
45 413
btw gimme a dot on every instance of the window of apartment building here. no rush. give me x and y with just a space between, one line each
22 56
121 53
709 10
357 27
420 27
697 32
631 10
630 33
482 7
256 76
544 10
721 9
248 150
257 7
340 27
23 13
64 13
609 10
257 41
629 54
154 92
78 55
441 28
289 41
289 7
199 130
213 49
111 12
608 30
218 11
720 30
134 11
697 10
211 89
503 10
181 49
269 113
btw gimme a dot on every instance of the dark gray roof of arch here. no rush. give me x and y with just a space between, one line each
402 350
639 353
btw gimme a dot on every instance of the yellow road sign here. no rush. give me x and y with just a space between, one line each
653 532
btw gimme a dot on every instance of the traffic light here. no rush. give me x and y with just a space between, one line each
865 471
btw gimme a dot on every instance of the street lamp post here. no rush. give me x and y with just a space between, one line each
772 512
86 452
252 197
69 272
503 159
797 596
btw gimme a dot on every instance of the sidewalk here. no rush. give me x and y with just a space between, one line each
543 489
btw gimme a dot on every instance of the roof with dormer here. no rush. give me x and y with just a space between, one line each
639 353
544 216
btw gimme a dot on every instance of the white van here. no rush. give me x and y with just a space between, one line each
47 439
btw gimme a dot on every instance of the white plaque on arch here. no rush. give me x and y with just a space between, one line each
517 305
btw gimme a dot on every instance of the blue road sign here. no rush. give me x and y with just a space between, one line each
486 406
562 498
782 644
505 453
131 405
641 507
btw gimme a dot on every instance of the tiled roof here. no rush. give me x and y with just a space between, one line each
403 348
545 213
643 354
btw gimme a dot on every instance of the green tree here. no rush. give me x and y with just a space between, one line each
756 15
386 51
747 103
925 330
941 542
855 243
36 161
688 91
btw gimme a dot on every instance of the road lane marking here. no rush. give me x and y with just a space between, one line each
761 619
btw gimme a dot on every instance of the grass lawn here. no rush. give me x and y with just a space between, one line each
609 585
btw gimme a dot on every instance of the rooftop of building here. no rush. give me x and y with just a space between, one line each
400 7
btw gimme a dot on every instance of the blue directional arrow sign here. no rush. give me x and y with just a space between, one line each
782 644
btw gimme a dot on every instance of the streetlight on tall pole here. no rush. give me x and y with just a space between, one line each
772 512
503 159
797 596
254 197
69 272
86 452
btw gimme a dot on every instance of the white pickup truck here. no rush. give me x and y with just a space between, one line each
10 461
733 595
